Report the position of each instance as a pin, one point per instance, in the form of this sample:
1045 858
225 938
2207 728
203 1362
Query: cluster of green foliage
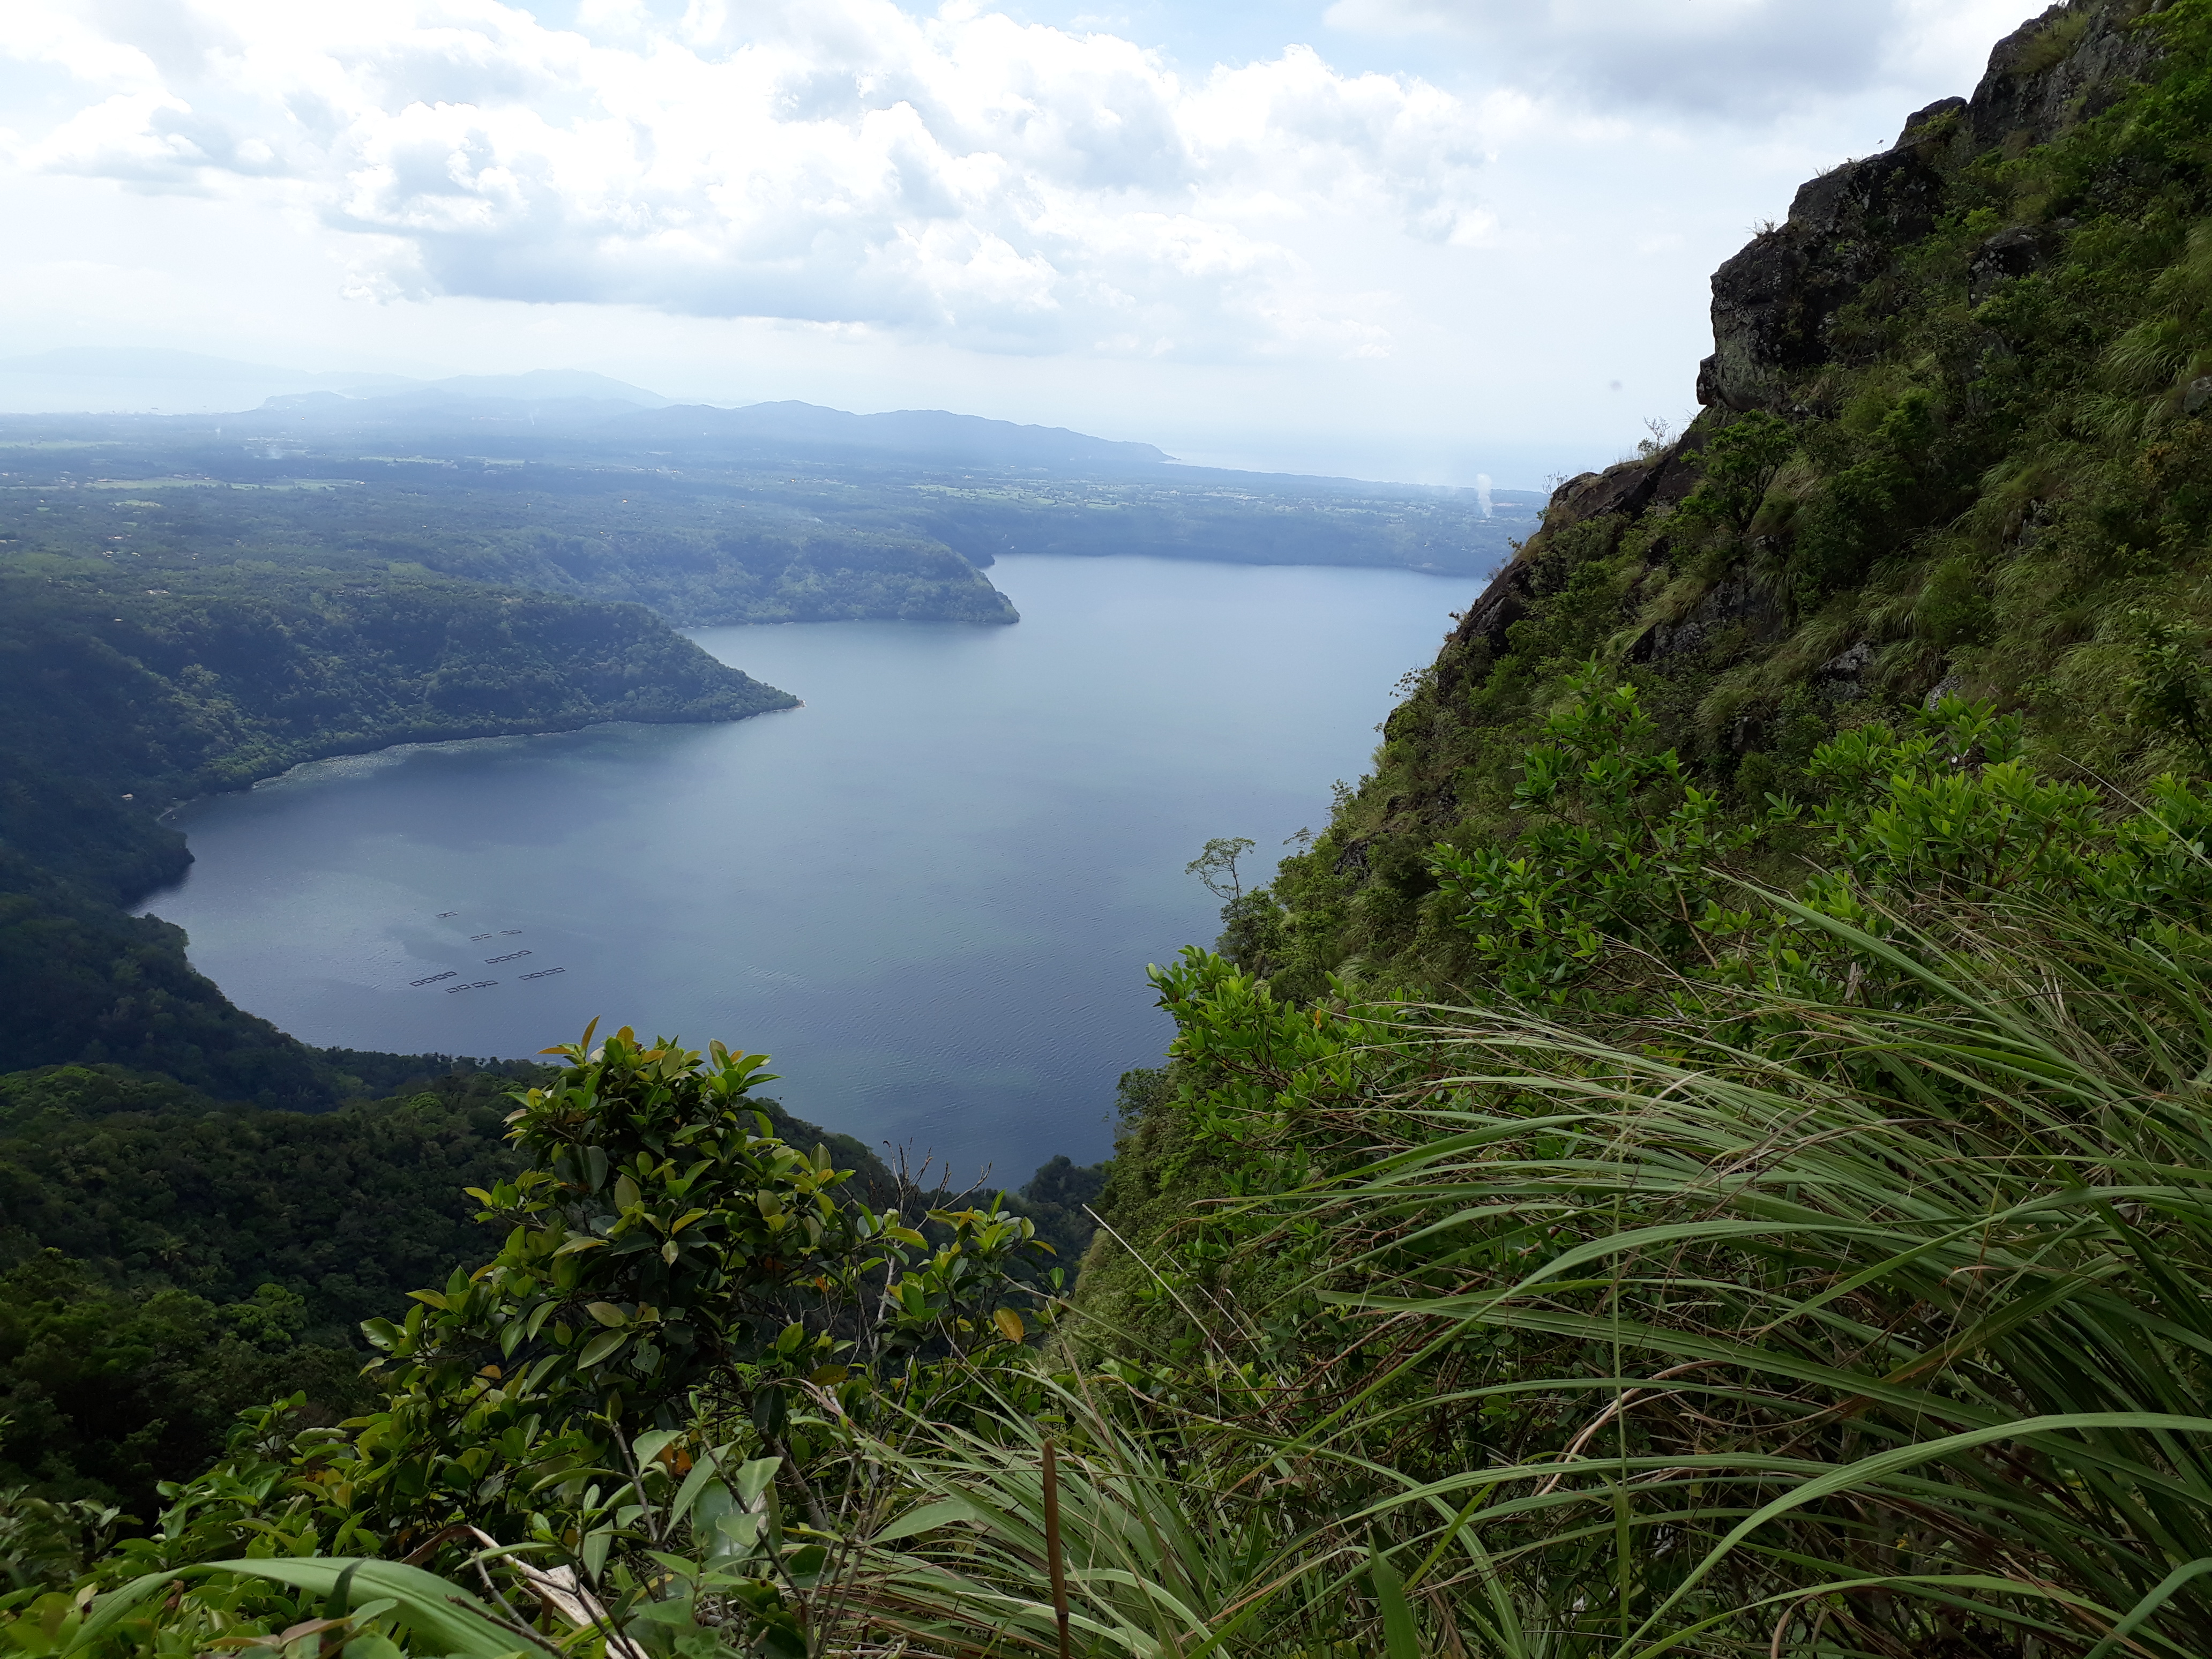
1816 1268
688 1323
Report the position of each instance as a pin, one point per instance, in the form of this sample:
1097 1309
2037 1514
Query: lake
930 894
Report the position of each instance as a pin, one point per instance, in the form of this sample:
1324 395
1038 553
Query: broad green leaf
601 1348
597 1543
1400 1639
737 1534
695 1484
927 1518
754 1478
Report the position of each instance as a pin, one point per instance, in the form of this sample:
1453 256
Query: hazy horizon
1413 241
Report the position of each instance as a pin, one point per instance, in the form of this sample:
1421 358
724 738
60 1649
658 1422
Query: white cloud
1733 59
961 176
1493 259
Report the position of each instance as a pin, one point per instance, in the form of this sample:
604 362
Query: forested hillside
1709 1151
123 699
1724 1097
168 1260
1953 443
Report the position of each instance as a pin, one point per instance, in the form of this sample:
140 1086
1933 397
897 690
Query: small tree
665 1253
1741 462
1217 867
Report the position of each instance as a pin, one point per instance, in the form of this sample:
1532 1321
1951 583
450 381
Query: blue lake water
930 894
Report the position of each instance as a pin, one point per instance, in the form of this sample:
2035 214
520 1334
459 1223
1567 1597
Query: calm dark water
930 894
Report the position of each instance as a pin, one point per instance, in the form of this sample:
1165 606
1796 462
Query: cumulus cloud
1732 59
960 176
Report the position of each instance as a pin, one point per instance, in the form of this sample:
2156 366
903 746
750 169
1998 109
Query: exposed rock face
2032 93
1842 677
1626 488
2012 251
1503 603
1774 302
1735 603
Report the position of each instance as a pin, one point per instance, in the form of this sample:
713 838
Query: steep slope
1956 437
1912 625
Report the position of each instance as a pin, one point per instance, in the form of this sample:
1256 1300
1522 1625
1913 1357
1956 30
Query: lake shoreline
932 901
168 814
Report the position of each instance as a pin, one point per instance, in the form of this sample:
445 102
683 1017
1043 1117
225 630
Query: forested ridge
699 551
1705 1151
677 521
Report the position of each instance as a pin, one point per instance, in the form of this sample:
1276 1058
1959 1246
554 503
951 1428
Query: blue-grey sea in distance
930 894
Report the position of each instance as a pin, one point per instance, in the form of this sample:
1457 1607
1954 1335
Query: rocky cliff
1952 438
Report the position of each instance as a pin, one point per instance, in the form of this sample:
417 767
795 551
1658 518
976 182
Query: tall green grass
1768 1327
1894 1344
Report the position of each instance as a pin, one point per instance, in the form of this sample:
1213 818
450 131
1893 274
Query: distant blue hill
908 434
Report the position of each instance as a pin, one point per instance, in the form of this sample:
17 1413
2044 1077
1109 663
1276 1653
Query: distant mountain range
594 407
561 413
264 398
539 388
908 434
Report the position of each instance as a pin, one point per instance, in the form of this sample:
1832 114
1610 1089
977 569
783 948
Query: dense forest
1706 1153
168 1260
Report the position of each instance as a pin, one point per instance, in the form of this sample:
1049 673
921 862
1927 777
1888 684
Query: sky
1411 240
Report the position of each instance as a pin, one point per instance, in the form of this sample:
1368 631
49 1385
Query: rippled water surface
930 894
